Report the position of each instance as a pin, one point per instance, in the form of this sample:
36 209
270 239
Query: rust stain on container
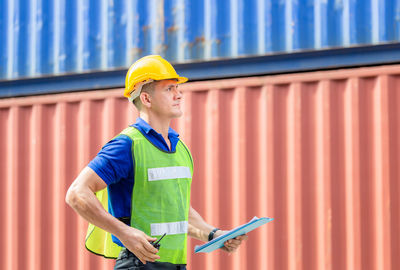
318 151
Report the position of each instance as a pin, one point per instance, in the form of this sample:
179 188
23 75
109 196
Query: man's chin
177 114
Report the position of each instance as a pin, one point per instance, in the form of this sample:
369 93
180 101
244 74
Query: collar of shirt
156 138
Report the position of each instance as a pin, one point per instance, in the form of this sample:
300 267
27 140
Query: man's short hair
147 88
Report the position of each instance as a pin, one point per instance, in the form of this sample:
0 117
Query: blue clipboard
243 229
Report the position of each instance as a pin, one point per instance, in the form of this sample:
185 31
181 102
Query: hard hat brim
182 80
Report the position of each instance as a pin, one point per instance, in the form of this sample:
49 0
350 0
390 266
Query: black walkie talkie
156 244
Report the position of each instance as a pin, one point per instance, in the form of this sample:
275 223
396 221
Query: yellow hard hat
145 70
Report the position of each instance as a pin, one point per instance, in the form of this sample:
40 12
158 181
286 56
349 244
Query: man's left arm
199 229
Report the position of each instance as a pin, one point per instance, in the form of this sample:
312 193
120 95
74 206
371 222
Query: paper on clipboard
243 229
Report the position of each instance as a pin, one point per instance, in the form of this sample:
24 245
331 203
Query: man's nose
178 94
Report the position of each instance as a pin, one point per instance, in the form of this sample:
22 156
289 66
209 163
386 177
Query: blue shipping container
54 37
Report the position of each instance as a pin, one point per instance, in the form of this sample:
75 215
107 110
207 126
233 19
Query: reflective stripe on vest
169 228
165 173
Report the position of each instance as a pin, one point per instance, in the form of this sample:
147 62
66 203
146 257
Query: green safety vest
160 200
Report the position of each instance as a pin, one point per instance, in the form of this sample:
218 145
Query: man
147 171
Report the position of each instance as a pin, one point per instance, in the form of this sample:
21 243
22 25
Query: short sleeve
114 161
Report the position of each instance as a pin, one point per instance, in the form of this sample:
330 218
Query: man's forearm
198 228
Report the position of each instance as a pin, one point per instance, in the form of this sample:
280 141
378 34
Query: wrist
122 231
212 233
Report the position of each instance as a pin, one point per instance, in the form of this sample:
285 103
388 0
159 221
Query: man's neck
158 124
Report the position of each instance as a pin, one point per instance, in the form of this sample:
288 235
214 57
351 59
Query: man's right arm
81 197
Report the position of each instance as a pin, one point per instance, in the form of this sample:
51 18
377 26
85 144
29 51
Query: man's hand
138 243
232 244
199 229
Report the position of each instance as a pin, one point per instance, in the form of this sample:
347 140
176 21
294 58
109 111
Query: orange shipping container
319 152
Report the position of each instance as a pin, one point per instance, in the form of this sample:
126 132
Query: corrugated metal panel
39 37
385 54
319 152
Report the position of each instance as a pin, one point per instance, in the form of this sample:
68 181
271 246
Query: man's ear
145 98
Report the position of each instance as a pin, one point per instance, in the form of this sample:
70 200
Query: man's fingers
230 247
149 255
149 248
227 245
242 237
234 242
140 256
148 259
149 251
150 239
146 252
231 244
144 256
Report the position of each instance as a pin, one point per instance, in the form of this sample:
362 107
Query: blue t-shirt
114 165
